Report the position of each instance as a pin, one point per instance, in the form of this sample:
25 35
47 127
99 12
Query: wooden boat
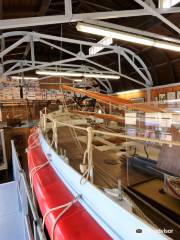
107 99
72 206
51 192
72 210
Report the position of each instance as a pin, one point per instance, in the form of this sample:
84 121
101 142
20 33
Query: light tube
53 73
101 31
168 46
25 78
84 27
77 80
77 74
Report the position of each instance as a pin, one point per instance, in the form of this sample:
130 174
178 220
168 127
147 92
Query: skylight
168 3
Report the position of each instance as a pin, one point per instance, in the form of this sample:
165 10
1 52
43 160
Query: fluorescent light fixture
89 75
89 28
77 74
25 78
105 41
168 46
128 91
77 80
84 27
57 74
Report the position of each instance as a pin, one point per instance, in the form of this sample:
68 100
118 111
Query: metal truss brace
70 64
154 12
48 20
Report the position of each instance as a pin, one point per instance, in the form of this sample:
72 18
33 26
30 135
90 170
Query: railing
25 201
43 124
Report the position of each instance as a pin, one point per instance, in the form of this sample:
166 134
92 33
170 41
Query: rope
66 207
87 168
36 168
35 143
33 173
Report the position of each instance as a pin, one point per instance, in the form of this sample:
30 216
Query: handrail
120 135
20 177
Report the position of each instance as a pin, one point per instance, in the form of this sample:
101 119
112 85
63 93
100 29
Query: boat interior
129 153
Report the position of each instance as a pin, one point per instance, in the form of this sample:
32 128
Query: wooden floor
151 189
156 217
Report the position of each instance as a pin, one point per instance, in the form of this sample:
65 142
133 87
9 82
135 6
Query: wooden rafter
107 99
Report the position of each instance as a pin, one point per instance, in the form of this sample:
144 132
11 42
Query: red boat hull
51 192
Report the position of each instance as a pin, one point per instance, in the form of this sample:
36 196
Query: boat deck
108 167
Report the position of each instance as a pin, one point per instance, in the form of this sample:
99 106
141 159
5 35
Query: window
168 3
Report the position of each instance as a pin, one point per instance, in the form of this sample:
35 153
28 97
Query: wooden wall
154 91
20 136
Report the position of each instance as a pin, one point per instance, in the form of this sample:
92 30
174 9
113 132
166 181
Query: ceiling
163 65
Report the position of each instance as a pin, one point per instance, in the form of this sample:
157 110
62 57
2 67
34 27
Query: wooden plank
109 117
105 148
106 99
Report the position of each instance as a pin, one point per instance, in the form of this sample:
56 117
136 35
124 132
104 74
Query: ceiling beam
155 13
1 9
68 8
43 9
48 20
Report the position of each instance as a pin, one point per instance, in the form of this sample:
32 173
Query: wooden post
90 152
44 123
55 135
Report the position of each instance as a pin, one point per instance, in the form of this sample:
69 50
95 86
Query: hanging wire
72 130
